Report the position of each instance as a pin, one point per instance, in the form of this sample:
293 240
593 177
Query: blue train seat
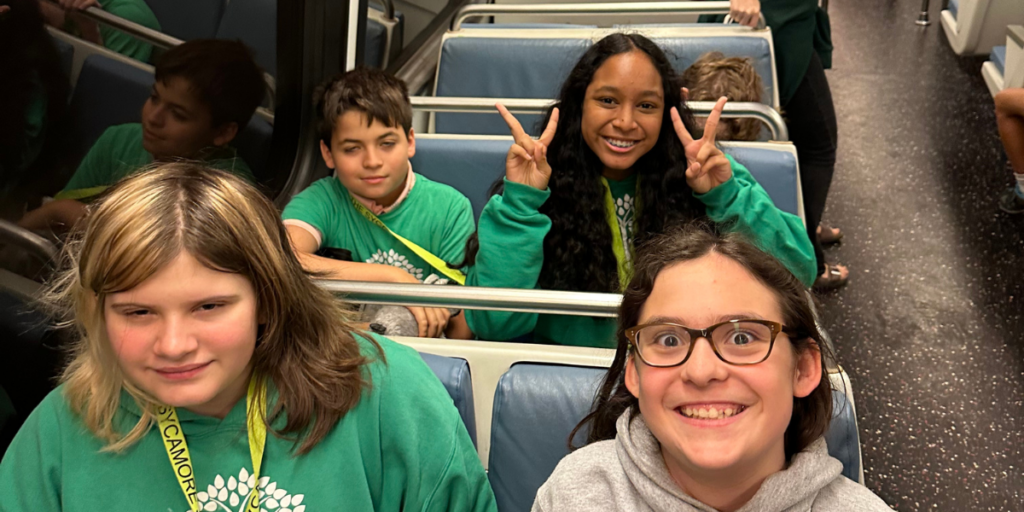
472 164
533 63
110 92
67 55
536 407
998 57
454 374
1005 66
973 28
255 23
188 19
954 6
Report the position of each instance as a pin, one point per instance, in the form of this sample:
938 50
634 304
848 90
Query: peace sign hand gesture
527 161
707 167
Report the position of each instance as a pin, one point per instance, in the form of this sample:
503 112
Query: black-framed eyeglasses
740 342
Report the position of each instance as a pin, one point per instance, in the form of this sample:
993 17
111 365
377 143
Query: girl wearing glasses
718 397
211 373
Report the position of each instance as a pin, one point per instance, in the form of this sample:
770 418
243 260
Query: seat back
188 19
533 63
255 23
537 406
67 55
472 164
111 92
453 372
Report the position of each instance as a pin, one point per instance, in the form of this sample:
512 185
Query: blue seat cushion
67 55
188 19
536 406
374 44
954 7
998 57
454 373
776 172
255 23
471 167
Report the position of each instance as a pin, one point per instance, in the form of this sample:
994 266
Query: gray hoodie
628 473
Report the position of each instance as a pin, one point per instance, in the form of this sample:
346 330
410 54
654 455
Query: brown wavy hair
811 414
714 75
305 348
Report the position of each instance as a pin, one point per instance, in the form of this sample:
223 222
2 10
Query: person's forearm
59 215
53 15
458 328
351 270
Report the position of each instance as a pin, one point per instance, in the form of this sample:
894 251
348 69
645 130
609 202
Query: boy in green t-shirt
206 91
399 227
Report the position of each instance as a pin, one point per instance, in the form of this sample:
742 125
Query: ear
632 377
225 134
326 153
412 143
807 375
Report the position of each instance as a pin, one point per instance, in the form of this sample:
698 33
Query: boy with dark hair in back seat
64 15
399 226
205 93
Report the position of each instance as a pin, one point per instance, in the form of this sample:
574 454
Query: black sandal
832 279
828 235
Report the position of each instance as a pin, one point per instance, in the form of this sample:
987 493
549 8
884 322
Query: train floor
930 327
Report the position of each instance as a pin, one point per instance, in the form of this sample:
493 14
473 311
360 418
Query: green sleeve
459 227
97 167
742 205
30 474
429 461
313 206
511 235
235 166
135 11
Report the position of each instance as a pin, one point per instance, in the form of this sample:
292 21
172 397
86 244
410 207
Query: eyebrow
389 133
720 319
613 89
171 103
204 300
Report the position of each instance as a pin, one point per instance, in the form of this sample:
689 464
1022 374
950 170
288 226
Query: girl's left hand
707 167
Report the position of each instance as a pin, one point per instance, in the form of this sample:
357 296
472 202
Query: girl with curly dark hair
623 167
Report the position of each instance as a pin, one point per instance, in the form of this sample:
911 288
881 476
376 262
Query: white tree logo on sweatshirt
229 495
395 260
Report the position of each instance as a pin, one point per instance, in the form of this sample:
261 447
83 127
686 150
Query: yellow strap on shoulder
439 264
80 193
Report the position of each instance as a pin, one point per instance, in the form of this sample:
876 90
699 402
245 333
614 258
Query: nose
175 340
155 115
371 159
703 367
625 120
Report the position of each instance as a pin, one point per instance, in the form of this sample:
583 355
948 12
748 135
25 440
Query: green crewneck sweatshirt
512 230
403 447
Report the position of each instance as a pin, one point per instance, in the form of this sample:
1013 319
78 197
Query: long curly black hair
31 65
578 249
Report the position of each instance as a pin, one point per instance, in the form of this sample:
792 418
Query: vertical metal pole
922 19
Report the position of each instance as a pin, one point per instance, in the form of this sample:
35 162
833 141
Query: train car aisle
930 327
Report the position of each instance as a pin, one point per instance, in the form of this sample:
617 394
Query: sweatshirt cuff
720 197
521 197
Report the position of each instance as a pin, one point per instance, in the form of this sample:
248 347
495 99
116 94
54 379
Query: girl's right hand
527 161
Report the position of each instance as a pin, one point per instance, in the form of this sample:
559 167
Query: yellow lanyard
625 266
434 261
181 461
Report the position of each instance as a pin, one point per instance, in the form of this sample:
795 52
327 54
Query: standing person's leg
811 118
1010 118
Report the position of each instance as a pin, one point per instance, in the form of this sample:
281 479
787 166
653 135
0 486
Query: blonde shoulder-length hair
305 347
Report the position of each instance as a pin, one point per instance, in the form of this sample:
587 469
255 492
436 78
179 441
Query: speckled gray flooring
930 328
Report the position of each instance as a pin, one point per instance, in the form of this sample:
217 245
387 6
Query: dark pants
811 118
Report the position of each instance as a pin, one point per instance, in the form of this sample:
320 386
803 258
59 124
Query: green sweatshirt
403 447
119 152
434 216
512 231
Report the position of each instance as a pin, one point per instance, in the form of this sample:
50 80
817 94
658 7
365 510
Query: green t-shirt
433 215
119 153
135 11
511 254
624 195
403 447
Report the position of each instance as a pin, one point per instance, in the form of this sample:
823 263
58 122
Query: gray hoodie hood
628 473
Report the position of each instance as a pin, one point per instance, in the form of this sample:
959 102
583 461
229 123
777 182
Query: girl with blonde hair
199 335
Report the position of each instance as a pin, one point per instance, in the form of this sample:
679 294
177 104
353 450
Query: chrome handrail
21 237
764 113
153 37
605 305
389 9
701 7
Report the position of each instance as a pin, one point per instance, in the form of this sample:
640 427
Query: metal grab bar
131 28
732 110
21 237
604 305
701 7
389 9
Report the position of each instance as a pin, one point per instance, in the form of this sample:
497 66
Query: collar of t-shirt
376 207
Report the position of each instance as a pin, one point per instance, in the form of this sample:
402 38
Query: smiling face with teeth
623 111
716 421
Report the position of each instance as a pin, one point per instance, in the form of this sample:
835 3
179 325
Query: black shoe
1010 202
